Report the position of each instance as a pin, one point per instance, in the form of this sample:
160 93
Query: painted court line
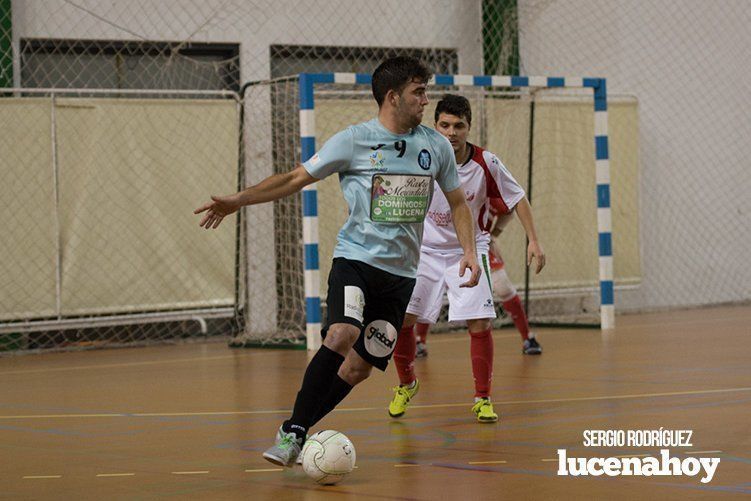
587 399
487 462
115 474
190 472
261 470
701 452
124 364
38 477
177 360
406 465
360 409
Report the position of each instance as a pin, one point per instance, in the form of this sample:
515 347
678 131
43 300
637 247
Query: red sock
404 355
422 332
481 348
514 308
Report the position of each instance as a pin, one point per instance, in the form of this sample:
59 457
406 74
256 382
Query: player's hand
534 250
471 263
218 209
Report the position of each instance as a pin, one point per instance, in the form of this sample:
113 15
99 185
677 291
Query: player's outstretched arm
465 232
534 249
272 188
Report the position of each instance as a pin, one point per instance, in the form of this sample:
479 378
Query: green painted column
6 47
500 37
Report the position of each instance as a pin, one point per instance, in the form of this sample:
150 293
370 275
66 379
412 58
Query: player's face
456 129
411 103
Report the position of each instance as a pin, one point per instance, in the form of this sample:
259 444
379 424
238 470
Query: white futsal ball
328 456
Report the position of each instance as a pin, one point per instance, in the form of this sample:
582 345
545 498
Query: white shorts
439 273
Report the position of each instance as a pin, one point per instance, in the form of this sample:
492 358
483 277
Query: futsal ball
328 456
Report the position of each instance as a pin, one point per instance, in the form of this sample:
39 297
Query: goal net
544 136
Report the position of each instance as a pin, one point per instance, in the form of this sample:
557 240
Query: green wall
6 52
500 35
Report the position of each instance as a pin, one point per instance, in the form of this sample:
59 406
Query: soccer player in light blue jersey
386 168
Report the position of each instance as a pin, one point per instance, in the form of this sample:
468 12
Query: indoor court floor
191 421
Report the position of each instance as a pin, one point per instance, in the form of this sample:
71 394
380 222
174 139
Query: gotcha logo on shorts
380 338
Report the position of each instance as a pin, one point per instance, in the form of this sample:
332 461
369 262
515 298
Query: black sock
320 373
339 389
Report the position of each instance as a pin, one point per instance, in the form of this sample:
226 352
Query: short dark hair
456 105
395 73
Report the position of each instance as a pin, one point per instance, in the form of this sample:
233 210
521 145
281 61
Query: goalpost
483 86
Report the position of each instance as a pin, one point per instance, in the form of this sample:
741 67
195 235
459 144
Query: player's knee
355 371
409 320
478 326
341 337
502 286
481 334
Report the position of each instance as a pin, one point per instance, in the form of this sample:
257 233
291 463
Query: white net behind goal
103 236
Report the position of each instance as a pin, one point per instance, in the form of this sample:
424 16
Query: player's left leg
475 305
353 371
348 283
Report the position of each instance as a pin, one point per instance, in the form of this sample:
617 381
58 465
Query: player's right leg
346 305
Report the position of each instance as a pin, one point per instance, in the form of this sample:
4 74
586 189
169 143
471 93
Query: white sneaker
286 449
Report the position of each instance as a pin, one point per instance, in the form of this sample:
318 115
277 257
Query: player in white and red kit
483 177
503 289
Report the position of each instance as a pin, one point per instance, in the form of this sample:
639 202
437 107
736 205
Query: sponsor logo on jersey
397 198
380 338
440 218
377 147
423 159
469 195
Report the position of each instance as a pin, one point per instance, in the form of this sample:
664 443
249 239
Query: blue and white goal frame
307 83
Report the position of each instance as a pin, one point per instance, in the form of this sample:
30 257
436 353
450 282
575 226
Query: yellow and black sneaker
402 396
483 409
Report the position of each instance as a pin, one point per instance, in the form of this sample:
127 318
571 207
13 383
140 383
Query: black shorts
372 300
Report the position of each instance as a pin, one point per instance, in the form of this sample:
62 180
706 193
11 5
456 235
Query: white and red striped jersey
482 177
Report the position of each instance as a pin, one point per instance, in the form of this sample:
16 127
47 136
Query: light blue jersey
387 181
